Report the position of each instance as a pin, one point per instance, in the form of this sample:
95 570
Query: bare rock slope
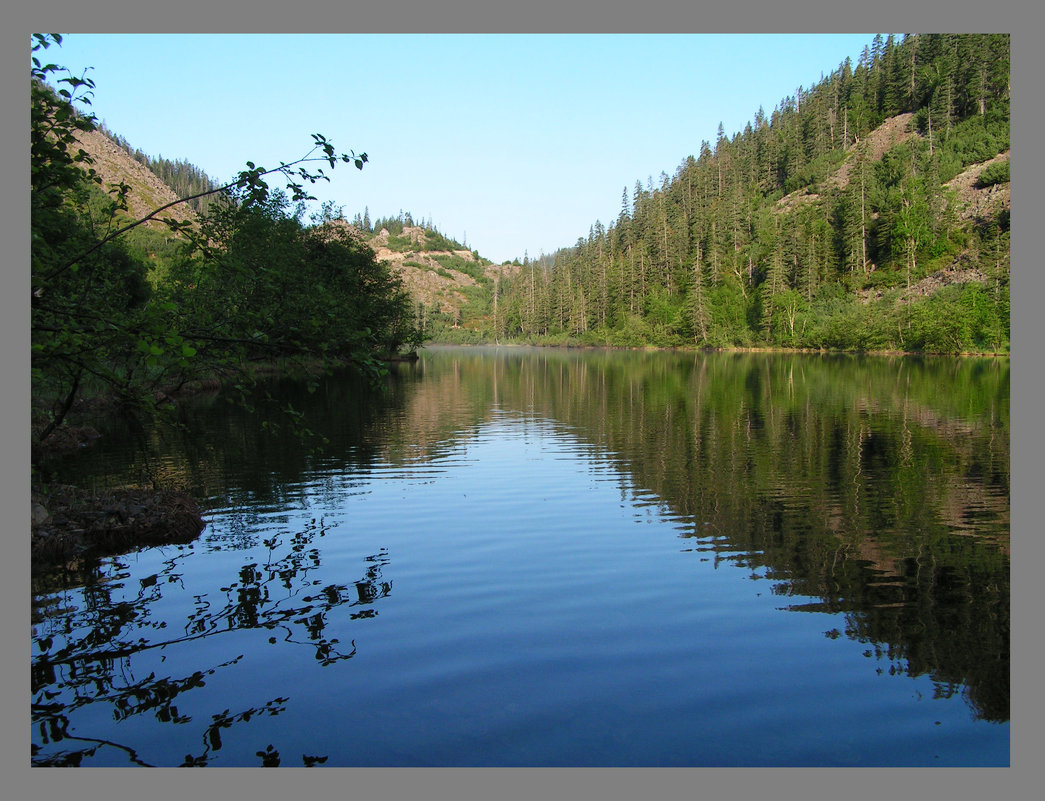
114 165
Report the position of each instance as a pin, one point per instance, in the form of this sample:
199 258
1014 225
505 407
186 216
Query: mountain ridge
148 191
884 181
431 274
451 281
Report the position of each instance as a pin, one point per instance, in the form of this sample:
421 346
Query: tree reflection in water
92 654
873 490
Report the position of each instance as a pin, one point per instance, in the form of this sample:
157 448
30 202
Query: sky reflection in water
547 558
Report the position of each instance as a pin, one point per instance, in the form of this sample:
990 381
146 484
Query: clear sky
514 143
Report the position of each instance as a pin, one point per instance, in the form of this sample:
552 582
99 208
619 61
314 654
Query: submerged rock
77 523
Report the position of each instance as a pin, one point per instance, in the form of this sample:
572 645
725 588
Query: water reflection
879 486
94 645
871 489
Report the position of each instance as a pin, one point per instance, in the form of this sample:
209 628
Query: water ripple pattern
518 558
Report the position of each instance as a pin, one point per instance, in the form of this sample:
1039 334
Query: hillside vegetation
869 212
451 286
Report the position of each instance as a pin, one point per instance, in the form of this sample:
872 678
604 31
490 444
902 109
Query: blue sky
516 143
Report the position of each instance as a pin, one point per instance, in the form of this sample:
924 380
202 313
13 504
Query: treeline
434 238
800 231
249 283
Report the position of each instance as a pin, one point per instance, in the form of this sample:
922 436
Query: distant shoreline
695 349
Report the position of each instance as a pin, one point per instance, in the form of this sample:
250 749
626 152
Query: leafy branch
52 138
249 179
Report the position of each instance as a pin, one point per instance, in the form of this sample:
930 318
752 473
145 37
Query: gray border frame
477 16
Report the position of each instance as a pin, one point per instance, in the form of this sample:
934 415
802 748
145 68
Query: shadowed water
542 557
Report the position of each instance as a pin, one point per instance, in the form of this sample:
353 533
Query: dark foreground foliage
245 283
248 282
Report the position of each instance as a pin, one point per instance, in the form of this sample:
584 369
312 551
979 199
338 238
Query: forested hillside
868 212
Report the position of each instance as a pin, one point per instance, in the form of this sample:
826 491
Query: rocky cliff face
430 282
974 202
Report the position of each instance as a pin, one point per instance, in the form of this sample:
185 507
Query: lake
544 557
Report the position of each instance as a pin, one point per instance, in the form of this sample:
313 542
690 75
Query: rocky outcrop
70 523
974 202
147 193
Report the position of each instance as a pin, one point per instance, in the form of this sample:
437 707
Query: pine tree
697 303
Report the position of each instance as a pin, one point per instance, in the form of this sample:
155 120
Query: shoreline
79 525
708 349
70 525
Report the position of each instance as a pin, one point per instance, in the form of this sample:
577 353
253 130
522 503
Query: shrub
997 173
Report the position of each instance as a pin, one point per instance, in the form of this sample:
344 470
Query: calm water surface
523 557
